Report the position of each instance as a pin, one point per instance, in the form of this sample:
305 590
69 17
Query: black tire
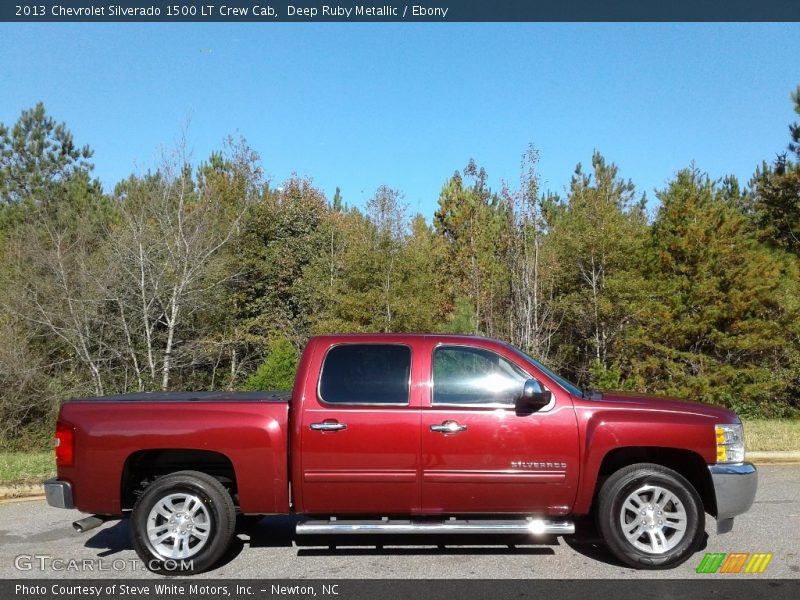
218 522
615 492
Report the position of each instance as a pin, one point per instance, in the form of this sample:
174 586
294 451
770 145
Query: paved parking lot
34 535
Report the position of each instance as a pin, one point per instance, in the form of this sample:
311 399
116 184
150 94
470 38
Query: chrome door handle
448 427
328 426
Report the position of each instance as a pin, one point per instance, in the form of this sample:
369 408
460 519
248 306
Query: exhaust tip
84 525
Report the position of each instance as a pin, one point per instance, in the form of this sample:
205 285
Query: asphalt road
30 530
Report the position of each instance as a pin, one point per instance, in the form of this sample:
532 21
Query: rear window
366 374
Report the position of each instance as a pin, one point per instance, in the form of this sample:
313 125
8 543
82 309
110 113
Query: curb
17 491
31 498
774 458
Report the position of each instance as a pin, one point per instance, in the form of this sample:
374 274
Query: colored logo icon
735 562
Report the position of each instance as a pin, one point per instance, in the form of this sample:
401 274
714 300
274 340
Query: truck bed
117 436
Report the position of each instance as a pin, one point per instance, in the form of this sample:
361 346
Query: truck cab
430 425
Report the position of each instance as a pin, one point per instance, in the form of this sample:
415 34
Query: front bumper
735 489
58 493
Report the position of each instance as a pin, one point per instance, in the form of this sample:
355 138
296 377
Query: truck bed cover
219 396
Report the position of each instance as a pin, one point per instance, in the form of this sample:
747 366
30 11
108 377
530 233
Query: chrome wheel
178 526
653 519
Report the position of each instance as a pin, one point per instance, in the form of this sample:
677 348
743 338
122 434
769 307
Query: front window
467 375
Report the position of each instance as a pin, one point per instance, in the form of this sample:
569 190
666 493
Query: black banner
713 588
272 11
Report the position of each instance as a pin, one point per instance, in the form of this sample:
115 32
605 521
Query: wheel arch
144 466
686 462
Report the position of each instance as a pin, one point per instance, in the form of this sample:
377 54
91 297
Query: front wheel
650 516
182 523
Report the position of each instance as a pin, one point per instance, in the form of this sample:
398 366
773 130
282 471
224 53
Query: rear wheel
650 516
182 523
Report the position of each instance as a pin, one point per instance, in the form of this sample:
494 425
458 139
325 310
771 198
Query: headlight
730 443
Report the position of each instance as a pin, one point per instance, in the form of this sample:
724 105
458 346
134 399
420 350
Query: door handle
448 427
328 426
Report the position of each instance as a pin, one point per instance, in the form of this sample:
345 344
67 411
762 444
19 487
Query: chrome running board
469 526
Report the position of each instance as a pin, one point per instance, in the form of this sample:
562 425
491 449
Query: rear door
478 454
360 432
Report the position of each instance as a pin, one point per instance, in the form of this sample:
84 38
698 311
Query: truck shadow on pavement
587 542
279 532
110 540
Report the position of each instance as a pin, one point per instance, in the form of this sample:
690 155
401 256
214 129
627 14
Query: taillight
65 445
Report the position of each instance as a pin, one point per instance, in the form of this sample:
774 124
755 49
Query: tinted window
463 375
366 374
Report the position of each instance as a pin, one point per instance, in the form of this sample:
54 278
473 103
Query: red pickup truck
391 433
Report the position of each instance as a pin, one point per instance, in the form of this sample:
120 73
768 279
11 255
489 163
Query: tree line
208 276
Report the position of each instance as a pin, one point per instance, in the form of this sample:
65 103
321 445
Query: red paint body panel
252 435
388 461
472 471
630 420
372 466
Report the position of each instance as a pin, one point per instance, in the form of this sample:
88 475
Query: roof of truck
387 335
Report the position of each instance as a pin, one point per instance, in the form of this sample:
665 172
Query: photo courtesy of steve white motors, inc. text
212 11
172 589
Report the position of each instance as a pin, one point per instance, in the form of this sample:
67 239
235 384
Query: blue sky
360 105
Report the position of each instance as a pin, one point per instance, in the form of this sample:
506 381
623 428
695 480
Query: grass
26 467
761 435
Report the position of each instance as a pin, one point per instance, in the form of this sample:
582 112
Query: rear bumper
58 493
735 489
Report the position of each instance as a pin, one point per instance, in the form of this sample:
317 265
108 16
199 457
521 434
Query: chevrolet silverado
404 433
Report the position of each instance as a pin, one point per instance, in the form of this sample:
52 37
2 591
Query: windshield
570 387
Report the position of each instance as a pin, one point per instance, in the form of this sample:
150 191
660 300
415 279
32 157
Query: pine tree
720 322
598 233
278 370
794 128
776 202
36 154
472 222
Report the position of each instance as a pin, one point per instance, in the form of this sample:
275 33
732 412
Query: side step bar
469 526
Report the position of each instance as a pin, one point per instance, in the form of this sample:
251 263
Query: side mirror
533 397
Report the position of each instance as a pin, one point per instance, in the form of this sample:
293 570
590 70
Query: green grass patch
26 467
762 435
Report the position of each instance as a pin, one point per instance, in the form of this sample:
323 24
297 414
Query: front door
478 454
